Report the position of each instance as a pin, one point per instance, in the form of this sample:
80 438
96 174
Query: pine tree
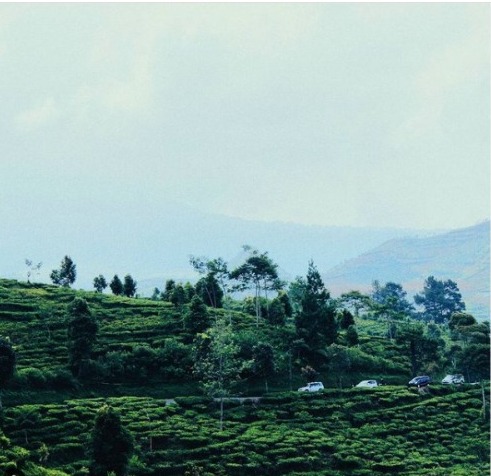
129 286
82 332
116 286
111 444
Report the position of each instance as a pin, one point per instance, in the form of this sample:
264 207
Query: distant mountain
153 241
461 255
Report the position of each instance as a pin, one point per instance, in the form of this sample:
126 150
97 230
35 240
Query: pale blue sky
329 114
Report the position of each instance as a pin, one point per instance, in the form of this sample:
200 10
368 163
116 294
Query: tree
213 285
216 362
423 351
391 298
178 297
66 275
316 322
129 286
82 332
197 319
389 302
346 320
111 444
461 319
7 364
356 301
210 291
116 286
170 285
263 362
439 299
277 314
352 336
100 283
258 273
32 268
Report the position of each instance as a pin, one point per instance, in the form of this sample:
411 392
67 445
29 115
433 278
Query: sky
321 114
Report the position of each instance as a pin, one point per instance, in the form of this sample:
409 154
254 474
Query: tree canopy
66 274
439 299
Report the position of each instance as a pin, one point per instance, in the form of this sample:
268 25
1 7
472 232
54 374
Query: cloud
39 116
446 73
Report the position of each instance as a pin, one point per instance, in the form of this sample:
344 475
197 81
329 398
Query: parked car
420 381
453 378
312 387
368 384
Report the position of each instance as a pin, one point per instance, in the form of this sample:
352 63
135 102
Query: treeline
298 329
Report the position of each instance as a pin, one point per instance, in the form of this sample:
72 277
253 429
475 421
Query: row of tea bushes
388 430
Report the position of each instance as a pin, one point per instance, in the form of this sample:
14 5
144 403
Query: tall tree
116 286
7 364
129 286
111 444
424 352
346 319
210 291
263 362
277 313
439 299
258 272
66 274
169 287
356 301
100 283
391 298
216 362
197 319
213 285
82 332
316 322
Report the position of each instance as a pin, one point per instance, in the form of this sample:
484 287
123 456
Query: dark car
420 381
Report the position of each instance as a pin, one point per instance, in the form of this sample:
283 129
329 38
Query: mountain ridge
461 255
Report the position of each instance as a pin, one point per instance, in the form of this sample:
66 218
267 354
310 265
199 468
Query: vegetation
162 376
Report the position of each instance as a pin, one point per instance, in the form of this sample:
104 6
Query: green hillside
143 364
380 431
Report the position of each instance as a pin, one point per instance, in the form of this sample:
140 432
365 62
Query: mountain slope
154 240
461 255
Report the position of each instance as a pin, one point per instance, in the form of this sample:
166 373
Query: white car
455 379
368 383
312 387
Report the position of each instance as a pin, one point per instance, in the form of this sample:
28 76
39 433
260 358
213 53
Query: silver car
312 387
453 379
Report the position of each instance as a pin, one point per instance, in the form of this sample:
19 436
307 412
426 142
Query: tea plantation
142 365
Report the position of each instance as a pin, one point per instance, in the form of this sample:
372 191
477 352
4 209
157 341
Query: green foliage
142 348
66 274
129 286
197 319
116 286
439 299
100 283
7 362
82 331
111 444
258 272
315 323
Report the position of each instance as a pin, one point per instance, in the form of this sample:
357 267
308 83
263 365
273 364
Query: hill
142 365
153 241
358 432
461 255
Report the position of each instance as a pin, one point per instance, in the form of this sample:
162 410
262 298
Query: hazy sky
331 114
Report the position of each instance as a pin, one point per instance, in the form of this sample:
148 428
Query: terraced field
360 432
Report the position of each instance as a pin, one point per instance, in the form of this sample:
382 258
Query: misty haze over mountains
153 243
